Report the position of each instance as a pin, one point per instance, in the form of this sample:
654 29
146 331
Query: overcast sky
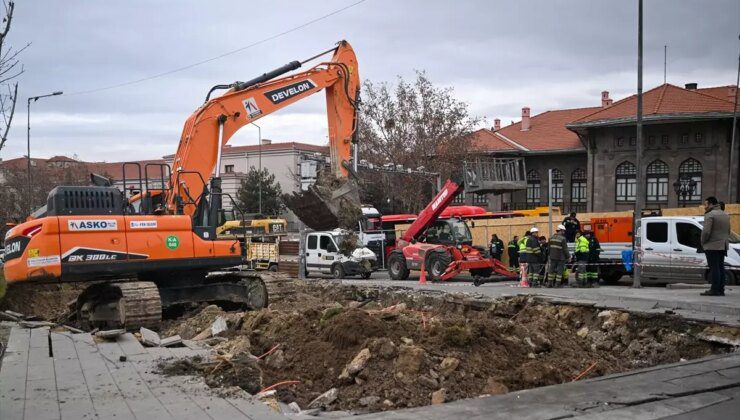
497 55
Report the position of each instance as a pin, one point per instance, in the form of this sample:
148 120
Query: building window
651 140
684 138
657 182
699 138
556 189
633 141
459 199
229 169
578 186
626 182
533 187
619 142
665 139
692 168
480 199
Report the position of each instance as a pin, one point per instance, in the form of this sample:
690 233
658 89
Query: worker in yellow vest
582 257
523 259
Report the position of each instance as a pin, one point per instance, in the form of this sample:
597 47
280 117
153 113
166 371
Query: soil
421 343
46 301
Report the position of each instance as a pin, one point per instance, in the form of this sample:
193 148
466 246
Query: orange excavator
160 247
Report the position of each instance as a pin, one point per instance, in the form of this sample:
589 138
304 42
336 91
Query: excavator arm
210 127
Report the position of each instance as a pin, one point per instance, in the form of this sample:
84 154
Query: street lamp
259 160
684 188
28 142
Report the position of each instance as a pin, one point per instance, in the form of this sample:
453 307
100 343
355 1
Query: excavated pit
367 349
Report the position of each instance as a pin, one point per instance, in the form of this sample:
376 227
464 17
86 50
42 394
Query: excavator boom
210 127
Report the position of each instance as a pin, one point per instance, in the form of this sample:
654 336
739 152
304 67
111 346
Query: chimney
525 119
266 141
605 101
691 86
732 93
496 124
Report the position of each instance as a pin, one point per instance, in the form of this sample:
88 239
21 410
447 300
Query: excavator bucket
324 207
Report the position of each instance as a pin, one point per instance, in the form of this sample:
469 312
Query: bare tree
9 70
415 125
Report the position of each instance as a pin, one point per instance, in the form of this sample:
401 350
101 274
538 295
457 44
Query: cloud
498 56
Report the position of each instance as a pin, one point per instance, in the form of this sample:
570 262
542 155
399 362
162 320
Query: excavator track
141 305
128 305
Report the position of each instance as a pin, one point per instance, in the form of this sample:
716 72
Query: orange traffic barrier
423 277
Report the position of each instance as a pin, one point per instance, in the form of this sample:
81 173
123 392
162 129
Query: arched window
692 168
556 189
656 181
626 182
578 186
533 187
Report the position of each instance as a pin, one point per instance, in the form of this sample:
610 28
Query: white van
669 250
323 256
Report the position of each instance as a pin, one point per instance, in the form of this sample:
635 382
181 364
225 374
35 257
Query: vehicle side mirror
11 225
472 223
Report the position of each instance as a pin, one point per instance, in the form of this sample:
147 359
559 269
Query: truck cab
327 253
669 249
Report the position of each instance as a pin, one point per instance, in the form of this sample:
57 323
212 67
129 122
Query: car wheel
397 267
365 275
337 271
730 278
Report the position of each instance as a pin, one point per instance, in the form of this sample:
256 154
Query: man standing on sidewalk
715 240
514 254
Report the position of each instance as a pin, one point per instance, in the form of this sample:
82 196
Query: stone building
592 153
686 137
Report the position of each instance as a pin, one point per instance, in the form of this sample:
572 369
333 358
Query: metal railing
495 175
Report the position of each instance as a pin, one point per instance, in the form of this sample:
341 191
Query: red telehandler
444 247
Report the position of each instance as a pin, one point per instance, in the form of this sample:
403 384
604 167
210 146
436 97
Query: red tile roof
293 145
663 101
115 169
547 131
485 140
721 92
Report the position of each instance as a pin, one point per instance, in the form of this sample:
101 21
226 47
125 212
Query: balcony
497 175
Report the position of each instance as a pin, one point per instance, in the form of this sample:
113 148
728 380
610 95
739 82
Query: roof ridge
710 96
660 98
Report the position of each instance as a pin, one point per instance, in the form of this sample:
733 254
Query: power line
208 60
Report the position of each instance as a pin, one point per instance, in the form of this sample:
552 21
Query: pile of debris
373 349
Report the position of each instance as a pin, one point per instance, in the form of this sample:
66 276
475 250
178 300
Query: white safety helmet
561 227
534 230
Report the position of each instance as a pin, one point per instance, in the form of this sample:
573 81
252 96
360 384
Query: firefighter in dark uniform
535 258
558 256
513 250
572 225
594 251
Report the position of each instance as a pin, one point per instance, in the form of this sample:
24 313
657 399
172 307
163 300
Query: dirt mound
46 301
352 327
373 350
241 371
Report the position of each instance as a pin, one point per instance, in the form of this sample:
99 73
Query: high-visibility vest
582 244
523 245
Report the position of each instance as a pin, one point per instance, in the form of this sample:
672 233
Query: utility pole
734 135
638 148
28 143
665 62
549 204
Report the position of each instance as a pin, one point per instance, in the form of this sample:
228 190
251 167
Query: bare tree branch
8 71
10 118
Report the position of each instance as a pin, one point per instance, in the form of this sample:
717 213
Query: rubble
110 334
331 353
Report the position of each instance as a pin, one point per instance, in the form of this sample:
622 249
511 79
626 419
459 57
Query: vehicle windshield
371 224
449 231
734 237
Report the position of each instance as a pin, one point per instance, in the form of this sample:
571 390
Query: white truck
323 256
668 248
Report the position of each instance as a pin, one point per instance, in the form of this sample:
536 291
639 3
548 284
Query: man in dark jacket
572 225
558 255
594 252
715 238
496 247
513 250
535 258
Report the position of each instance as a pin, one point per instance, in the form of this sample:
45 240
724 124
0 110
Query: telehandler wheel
337 271
397 267
436 263
366 275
